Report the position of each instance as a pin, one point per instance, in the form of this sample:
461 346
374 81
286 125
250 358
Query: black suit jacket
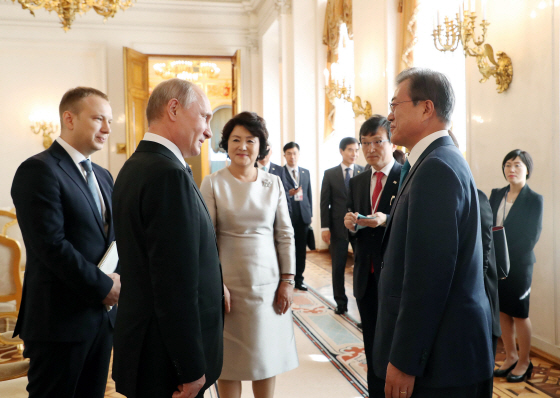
300 211
279 171
170 271
489 261
334 198
368 240
523 224
434 318
65 240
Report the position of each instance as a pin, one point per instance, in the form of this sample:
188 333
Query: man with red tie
371 194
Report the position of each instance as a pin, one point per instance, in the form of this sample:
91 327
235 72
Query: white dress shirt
344 167
423 144
291 172
166 143
78 157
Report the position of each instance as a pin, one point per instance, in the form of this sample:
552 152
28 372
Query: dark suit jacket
368 240
171 275
301 211
489 261
434 318
65 240
279 171
523 224
334 198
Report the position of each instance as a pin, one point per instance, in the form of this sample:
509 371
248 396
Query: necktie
347 178
295 177
265 168
404 171
86 164
376 191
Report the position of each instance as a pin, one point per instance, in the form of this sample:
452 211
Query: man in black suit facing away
168 335
334 198
297 184
433 332
371 193
63 204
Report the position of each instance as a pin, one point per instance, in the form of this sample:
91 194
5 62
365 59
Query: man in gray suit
334 195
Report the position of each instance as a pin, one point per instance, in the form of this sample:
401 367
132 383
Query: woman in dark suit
520 211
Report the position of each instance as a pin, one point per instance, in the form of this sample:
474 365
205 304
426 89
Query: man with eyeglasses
371 194
334 198
433 331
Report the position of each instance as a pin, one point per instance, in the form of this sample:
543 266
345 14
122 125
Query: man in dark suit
168 336
63 204
266 165
297 184
371 193
334 198
433 332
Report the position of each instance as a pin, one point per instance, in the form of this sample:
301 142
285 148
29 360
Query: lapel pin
394 182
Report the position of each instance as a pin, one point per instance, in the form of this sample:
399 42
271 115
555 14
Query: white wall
526 117
39 62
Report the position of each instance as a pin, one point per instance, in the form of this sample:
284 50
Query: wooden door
136 97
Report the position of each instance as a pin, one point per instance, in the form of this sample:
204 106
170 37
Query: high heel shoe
511 378
504 372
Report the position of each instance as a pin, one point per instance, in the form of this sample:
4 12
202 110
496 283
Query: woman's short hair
254 124
525 158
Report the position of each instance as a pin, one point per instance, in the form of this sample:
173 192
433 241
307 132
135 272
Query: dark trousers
339 254
300 237
367 306
70 369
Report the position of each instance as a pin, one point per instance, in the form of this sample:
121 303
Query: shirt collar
266 165
166 143
76 155
423 144
344 166
290 169
385 170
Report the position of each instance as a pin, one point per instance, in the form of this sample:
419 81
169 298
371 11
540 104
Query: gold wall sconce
47 128
448 36
337 88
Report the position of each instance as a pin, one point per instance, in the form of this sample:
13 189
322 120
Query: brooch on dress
266 183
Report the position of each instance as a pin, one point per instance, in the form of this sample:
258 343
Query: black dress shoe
360 326
504 372
301 286
511 378
340 310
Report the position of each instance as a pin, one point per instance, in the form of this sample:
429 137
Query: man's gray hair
179 89
426 84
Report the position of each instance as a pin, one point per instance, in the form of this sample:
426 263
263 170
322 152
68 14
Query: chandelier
67 9
187 70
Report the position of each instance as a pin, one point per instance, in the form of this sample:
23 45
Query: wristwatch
290 281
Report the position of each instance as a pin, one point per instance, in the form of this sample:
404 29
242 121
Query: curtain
338 12
409 12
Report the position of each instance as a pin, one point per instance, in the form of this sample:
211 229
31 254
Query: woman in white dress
256 245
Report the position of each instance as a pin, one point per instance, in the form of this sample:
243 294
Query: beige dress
256 245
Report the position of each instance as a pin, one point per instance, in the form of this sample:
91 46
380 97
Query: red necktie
376 191
375 196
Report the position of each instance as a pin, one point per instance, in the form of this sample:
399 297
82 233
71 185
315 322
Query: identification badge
298 196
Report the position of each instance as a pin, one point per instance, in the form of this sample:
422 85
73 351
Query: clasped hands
283 299
351 220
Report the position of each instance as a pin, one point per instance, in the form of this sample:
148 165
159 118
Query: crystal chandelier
67 9
187 70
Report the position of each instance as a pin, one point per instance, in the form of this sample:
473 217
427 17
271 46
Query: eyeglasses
376 143
393 105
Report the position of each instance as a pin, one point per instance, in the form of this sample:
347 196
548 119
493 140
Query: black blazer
300 211
279 171
523 224
171 294
433 308
489 261
368 240
334 198
65 240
